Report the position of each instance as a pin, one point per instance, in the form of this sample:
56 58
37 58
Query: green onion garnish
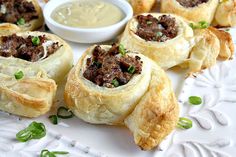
149 22
19 75
35 41
131 69
184 123
115 83
53 119
159 34
122 50
199 25
195 100
20 21
64 113
33 131
47 153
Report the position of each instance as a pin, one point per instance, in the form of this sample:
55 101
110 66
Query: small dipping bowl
87 35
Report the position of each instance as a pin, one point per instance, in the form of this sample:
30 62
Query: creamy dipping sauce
88 14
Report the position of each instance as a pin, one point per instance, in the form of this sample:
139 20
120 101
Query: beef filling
153 29
191 3
13 10
24 48
111 69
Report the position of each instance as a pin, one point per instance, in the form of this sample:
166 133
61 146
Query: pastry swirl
20 15
193 10
145 103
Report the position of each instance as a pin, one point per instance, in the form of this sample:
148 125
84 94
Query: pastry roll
20 15
193 10
30 96
142 6
166 39
112 86
226 14
36 49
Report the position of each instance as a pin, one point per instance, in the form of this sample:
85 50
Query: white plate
213 133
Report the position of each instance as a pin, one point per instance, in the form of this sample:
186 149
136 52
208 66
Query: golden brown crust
142 6
8 28
203 12
157 51
135 103
226 43
29 97
225 15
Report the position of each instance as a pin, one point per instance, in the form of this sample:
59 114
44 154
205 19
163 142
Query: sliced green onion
149 22
131 69
35 41
19 75
194 100
184 123
199 25
20 21
64 113
115 83
122 50
159 34
53 119
47 153
33 131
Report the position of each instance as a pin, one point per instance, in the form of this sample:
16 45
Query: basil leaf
33 131
64 113
195 100
184 123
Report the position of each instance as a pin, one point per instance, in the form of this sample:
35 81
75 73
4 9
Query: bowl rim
127 9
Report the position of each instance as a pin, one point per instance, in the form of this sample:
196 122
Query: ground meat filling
25 48
152 29
191 3
111 69
13 10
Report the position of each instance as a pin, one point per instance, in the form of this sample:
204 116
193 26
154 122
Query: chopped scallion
195 100
19 75
184 123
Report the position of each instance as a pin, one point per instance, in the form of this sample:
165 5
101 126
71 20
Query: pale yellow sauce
87 14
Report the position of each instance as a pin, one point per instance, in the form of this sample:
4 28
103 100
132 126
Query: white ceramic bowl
87 35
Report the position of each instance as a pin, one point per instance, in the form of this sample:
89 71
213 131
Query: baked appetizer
19 15
193 10
43 50
169 41
142 6
225 14
112 86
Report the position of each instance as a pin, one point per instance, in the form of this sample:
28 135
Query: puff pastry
35 23
146 104
195 49
225 14
56 65
168 53
202 12
142 6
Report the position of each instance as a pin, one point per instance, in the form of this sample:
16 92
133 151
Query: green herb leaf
149 22
64 113
20 21
199 25
115 83
122 50
33 131
184 123
131 69
53 119
159 34
195 100
47 153
35 41
19 75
